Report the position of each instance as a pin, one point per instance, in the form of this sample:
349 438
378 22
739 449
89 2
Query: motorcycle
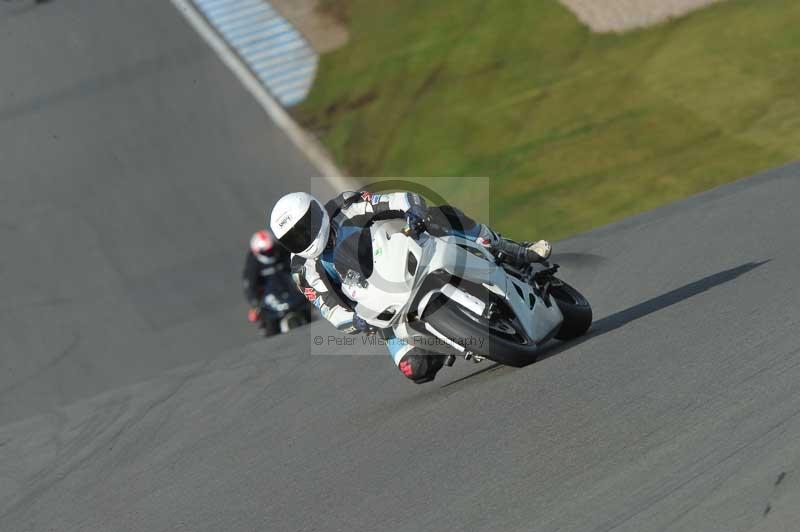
283 307
450 295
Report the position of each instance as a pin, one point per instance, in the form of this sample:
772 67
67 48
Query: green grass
574 129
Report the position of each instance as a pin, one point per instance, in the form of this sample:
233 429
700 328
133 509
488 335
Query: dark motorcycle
283 308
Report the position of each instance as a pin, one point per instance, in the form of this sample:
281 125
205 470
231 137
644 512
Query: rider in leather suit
264 260
327 242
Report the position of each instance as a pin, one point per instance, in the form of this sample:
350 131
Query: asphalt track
134 169
680 412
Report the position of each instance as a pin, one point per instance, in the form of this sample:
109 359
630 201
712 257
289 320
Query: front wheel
497 340
576 310
294 320
270 327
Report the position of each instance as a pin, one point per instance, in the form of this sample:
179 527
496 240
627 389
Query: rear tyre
576 310
496 341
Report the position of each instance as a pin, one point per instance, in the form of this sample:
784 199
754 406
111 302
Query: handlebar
426 226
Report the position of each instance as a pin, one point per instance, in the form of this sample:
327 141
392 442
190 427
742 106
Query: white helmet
300 224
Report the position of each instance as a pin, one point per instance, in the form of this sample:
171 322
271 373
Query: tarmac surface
137 158
134 170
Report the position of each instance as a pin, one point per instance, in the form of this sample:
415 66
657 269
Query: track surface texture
134 169
679 412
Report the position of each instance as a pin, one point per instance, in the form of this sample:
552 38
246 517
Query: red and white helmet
261 244
301 225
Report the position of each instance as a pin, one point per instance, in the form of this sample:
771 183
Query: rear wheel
497 340
575 308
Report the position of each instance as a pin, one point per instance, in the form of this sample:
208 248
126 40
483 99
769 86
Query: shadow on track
645 308
26 6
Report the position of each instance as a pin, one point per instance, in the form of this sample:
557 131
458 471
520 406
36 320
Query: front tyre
497 340
293 320
270 327
576 310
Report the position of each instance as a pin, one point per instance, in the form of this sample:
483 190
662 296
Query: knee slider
421 368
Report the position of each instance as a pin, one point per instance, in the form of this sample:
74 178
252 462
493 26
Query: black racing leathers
256 273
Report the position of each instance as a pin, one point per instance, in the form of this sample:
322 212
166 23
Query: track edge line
304 141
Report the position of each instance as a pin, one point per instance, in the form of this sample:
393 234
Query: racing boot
512 252
421 366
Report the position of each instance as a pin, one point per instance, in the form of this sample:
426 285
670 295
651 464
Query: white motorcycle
449 295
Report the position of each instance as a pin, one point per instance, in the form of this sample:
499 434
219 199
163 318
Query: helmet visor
304 231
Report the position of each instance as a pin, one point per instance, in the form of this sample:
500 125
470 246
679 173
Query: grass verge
575 129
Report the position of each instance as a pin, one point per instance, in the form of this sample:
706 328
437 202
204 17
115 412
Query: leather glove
362 326
542 248
416 217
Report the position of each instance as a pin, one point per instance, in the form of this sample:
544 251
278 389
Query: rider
325 240
264 259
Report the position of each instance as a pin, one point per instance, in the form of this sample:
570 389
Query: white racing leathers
320 279
349 252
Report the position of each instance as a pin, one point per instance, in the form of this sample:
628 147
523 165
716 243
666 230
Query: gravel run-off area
622 15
